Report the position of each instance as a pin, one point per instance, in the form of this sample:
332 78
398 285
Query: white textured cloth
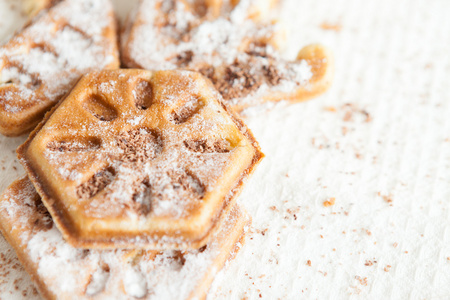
378 143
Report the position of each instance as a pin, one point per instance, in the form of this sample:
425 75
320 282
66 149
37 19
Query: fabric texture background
378 142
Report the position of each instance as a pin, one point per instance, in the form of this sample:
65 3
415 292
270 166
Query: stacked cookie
133 174
233 43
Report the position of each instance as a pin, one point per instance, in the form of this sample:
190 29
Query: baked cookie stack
133 174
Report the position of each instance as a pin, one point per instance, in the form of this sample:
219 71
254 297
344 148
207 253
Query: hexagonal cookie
134 158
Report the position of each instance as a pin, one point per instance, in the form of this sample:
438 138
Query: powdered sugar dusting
98 281
134 283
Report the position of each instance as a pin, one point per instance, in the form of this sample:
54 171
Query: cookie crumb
330 26
329 202
362 281
330 108
369 263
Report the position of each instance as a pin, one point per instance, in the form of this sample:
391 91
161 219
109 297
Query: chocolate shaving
207 146
143 95
207 71
187 182
139 145
96 184
177 257
184 58
185 112
74 146
43 219
238 81
272 74
141 199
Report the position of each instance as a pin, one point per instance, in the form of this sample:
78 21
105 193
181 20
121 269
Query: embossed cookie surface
140 158
63 272
41 63
227 45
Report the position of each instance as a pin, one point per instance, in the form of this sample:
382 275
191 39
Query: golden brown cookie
236 52
134 158
45 59
63 272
